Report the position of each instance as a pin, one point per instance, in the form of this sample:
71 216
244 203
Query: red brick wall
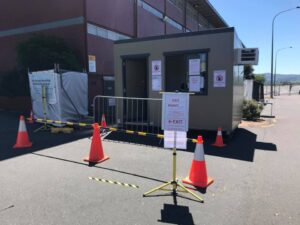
103 50
149 25
175 13
116 15
19 13
191 24
74 37
160 5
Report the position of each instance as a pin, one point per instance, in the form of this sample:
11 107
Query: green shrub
41 52
260 78
37 53
252 109
248 72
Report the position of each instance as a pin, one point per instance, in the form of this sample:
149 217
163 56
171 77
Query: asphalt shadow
265 146
176 214
41 139
97 166
240 145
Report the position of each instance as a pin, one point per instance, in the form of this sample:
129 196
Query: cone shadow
99 167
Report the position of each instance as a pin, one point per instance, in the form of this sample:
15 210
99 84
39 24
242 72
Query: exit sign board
175 111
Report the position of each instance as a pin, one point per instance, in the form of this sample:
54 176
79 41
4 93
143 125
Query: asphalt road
257 178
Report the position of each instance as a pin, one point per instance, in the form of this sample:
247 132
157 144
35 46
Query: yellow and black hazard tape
63 123
114 182
112 129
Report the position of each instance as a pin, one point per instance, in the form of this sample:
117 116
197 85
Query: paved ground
283 90
257 179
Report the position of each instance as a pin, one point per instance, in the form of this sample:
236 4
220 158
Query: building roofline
217 13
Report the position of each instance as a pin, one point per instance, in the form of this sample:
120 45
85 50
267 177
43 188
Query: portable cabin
202 63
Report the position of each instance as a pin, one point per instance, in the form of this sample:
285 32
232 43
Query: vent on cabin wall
246 56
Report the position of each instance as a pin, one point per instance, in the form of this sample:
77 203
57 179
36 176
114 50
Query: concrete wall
207 111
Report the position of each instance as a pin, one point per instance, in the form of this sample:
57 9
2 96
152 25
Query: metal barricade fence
128 113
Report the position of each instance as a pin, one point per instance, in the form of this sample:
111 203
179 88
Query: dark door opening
135 86
187 72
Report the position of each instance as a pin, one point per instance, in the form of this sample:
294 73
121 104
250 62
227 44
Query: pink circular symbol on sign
219 78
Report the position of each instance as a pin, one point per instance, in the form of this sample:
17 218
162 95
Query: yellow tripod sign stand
44 99
176 185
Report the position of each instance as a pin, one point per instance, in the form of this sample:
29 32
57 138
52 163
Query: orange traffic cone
198 175
96 151
22 138
219 139
103 121
31 119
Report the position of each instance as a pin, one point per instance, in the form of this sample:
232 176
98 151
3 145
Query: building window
104 33
158 14
173 23
150 9
187 72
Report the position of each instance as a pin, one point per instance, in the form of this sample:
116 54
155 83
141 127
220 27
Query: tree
37 53
260 78
42 52
248 72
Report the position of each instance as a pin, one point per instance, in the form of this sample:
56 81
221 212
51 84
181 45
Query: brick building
91 26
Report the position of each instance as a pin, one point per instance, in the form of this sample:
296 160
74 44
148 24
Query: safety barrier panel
136 114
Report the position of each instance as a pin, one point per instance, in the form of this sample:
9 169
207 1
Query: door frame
133 57
137 56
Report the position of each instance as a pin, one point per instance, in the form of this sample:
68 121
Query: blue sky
253 22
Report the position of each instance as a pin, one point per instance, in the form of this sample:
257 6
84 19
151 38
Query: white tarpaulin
248 89
66 97
46 79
